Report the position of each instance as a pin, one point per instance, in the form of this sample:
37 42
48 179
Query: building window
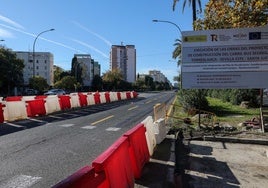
37 67
45 61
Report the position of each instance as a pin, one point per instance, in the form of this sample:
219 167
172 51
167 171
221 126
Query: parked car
30 92
55 92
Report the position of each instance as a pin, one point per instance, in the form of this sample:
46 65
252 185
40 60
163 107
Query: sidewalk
212 162
162 171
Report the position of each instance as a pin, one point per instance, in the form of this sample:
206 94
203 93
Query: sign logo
196 38
254 35
214 37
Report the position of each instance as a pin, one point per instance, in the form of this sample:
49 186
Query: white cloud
5 34
42 38
91 47
96 34
10 22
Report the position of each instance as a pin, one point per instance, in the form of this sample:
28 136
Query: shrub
193 99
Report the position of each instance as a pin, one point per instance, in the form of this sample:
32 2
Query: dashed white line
57 117
20 181
113 129
14 125
66 125
88 127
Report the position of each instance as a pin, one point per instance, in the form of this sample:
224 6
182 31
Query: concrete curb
235 140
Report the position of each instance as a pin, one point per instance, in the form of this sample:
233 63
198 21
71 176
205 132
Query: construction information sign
226 58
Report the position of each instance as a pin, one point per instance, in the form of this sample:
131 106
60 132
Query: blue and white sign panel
226 58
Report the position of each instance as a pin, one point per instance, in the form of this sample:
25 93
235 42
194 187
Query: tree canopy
233 14
11 71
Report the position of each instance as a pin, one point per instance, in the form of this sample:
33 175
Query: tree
193 2
57 73
38 83
76 70
11 71
97 83
68 83
233 14
177 51
112 79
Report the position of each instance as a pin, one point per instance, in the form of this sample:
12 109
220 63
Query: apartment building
124 58
157 76
89 68
44 62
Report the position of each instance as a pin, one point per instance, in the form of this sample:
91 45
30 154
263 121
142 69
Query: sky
91 27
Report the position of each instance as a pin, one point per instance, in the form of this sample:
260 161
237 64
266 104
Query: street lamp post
199 92
169 23
34 48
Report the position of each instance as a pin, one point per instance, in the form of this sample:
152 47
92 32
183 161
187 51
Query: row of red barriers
116 167
42 105
1 112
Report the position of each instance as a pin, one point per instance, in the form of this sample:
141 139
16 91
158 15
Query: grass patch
225 113
232 114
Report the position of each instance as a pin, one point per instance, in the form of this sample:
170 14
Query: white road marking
37 120
134 107
14 125
88 127
113 129
20 181
66 125
57 117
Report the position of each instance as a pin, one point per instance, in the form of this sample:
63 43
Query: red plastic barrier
135 94
36 107
84 177
97 98
64 101
115 163
138 150
128 94
107 97
82 99
14 98
2 113
119 96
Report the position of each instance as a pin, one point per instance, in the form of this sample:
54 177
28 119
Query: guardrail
14 108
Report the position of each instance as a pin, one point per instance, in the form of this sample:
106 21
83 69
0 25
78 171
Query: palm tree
193 2
177 51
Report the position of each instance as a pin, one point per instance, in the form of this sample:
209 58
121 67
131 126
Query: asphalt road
42 151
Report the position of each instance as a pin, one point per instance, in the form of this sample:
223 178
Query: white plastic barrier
131 94
150 136
102 97
160 130
74 100
90 99
123 95
52 104
113 96
14 110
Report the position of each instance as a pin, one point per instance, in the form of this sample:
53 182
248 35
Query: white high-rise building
124 58
44 62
